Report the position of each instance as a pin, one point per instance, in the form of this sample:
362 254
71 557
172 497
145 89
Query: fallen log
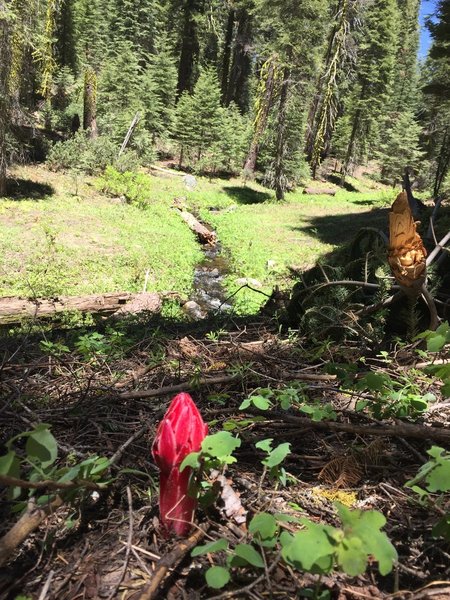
13 309
319 191
203 233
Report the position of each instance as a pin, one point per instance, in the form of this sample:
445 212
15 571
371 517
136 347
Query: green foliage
319 548
38 462
434 476
437 342
82 153
399 148
134 187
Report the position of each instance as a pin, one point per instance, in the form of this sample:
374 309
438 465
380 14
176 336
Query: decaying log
203 233
319 191
407 255
13 310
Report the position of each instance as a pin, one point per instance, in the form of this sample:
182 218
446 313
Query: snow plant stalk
181 432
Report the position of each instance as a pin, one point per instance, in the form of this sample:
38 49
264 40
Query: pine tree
400 147
208 113
369 99
164 76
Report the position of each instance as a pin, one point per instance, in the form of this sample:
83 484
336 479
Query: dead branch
180 387
170 561
400 429
28 522
49 484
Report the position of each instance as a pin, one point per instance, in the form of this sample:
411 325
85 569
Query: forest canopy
227 85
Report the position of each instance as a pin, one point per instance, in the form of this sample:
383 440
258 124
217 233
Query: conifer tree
184 126
399 148
369 99
208 113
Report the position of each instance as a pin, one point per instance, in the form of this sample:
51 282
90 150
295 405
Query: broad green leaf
211 547
366 526
277 455
217 577
191 460
438 479
250 554
264 524
10 464
265 445
245 404
220 444
376 382
352 556
260 402
42 445
308 546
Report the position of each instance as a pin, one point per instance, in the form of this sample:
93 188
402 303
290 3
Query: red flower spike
181 432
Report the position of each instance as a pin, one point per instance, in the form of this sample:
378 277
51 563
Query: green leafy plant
350 548
434 477
273 459
36 464
316 548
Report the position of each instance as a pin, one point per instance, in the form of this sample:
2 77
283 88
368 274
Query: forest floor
107 402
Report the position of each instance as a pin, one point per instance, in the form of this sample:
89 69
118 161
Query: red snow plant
181 432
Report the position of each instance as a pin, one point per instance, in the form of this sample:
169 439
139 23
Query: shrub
82 153
134 187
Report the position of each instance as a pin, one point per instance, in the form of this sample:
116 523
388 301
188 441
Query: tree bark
241 67
90 102
13 310
280 152
5 68
227 54
261 118
189 49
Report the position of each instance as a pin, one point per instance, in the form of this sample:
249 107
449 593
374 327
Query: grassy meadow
60 235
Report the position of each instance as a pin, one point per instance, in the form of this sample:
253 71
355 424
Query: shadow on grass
25 189
340 229
246 195
336 179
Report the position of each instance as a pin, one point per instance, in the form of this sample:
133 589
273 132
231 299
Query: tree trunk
90 102
227 54
261 117
238 89
13 310
312 116
5 67
350 147
280 151
189 49
443 163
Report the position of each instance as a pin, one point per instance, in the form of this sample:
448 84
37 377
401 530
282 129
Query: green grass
87 243
67 244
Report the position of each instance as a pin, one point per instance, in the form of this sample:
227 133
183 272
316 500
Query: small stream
209 293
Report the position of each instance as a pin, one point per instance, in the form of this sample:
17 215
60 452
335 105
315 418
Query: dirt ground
110 545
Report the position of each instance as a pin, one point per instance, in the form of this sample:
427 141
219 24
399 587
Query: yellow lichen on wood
406 250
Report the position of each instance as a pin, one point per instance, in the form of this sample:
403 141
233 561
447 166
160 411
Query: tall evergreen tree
369 98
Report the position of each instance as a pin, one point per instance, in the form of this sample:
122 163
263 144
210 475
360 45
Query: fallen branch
180 387
169 561
319 191
28 522
49 484
400 429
